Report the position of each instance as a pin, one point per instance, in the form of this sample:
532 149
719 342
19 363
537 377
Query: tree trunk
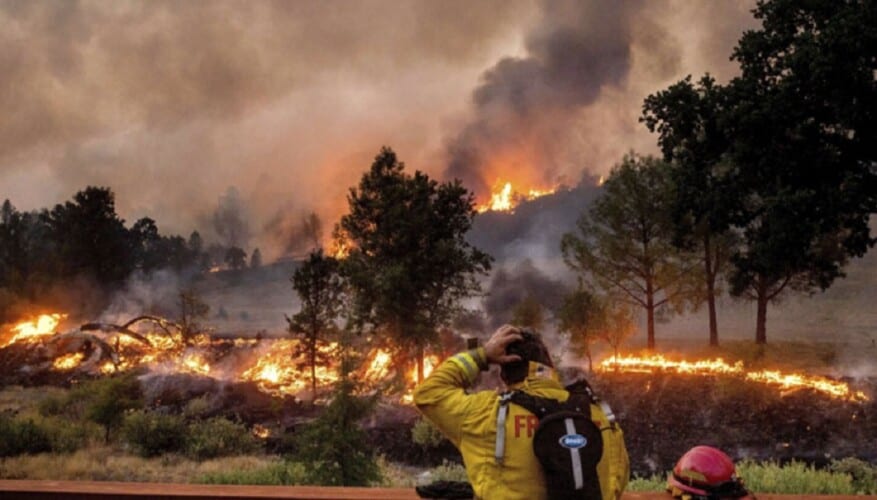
650 312
761 318
419 363
711 290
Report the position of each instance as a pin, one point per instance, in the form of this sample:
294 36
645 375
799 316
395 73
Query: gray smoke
527 103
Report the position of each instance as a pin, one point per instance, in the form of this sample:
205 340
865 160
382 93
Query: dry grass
24 400
107 464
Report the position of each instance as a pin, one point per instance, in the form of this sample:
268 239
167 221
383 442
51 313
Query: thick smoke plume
171 103
525 105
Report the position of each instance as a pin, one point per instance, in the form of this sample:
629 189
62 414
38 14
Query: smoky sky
172 103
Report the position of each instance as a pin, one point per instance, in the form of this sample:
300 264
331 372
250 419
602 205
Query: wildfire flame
261 431
718 366
42 325
68 361
278 366
506 198
195 363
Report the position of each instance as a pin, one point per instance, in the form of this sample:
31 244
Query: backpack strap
501 416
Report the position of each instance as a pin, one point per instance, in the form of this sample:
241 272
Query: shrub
334 445
655 482
219 437
52 406
67 436
793 478
426 435
111 398
152 434
197 408
864 475
282 474
22 436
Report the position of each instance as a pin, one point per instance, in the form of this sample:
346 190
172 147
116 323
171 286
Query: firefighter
706 473
500 462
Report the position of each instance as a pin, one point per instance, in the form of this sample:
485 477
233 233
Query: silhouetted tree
803 129
256 259
235 258
624 244
192 311
688 121
409 262
319 288
230 219
580 316
90 238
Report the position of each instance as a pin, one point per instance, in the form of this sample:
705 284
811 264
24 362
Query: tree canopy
319 287
688 121
408 264
624 243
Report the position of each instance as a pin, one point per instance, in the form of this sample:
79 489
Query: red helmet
705 472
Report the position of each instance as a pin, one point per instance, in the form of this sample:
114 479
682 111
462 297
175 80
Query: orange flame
43 325
68 361
718 366
261 431
506 198
195 363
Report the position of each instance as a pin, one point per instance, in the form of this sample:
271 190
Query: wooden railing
82 490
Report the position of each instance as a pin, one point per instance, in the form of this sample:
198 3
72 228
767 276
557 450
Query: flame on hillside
505 197
41 326
277 366
784 381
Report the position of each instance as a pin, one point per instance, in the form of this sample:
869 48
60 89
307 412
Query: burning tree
408 263
624 244
320 288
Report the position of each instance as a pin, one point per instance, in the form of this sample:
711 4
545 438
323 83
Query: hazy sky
170 103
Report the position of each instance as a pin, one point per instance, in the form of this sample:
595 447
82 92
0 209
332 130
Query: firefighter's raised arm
442 396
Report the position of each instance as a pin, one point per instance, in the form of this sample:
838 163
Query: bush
282 474
67 436
52 406
863 474
426 435
219 437
111 398
152 434
793 478
656 482
22 436
335 446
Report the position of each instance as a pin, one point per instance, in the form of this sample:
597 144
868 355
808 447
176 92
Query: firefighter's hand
494 349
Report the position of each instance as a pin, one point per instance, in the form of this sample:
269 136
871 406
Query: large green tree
624 243
687 118
319 287
803 130
409 263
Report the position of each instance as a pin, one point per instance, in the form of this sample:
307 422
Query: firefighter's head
531 349
705 473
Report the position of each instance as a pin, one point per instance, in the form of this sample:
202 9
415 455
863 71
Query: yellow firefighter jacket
469 422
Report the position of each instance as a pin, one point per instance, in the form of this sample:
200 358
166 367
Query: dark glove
446 489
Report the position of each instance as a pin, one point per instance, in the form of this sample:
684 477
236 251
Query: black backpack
567 443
